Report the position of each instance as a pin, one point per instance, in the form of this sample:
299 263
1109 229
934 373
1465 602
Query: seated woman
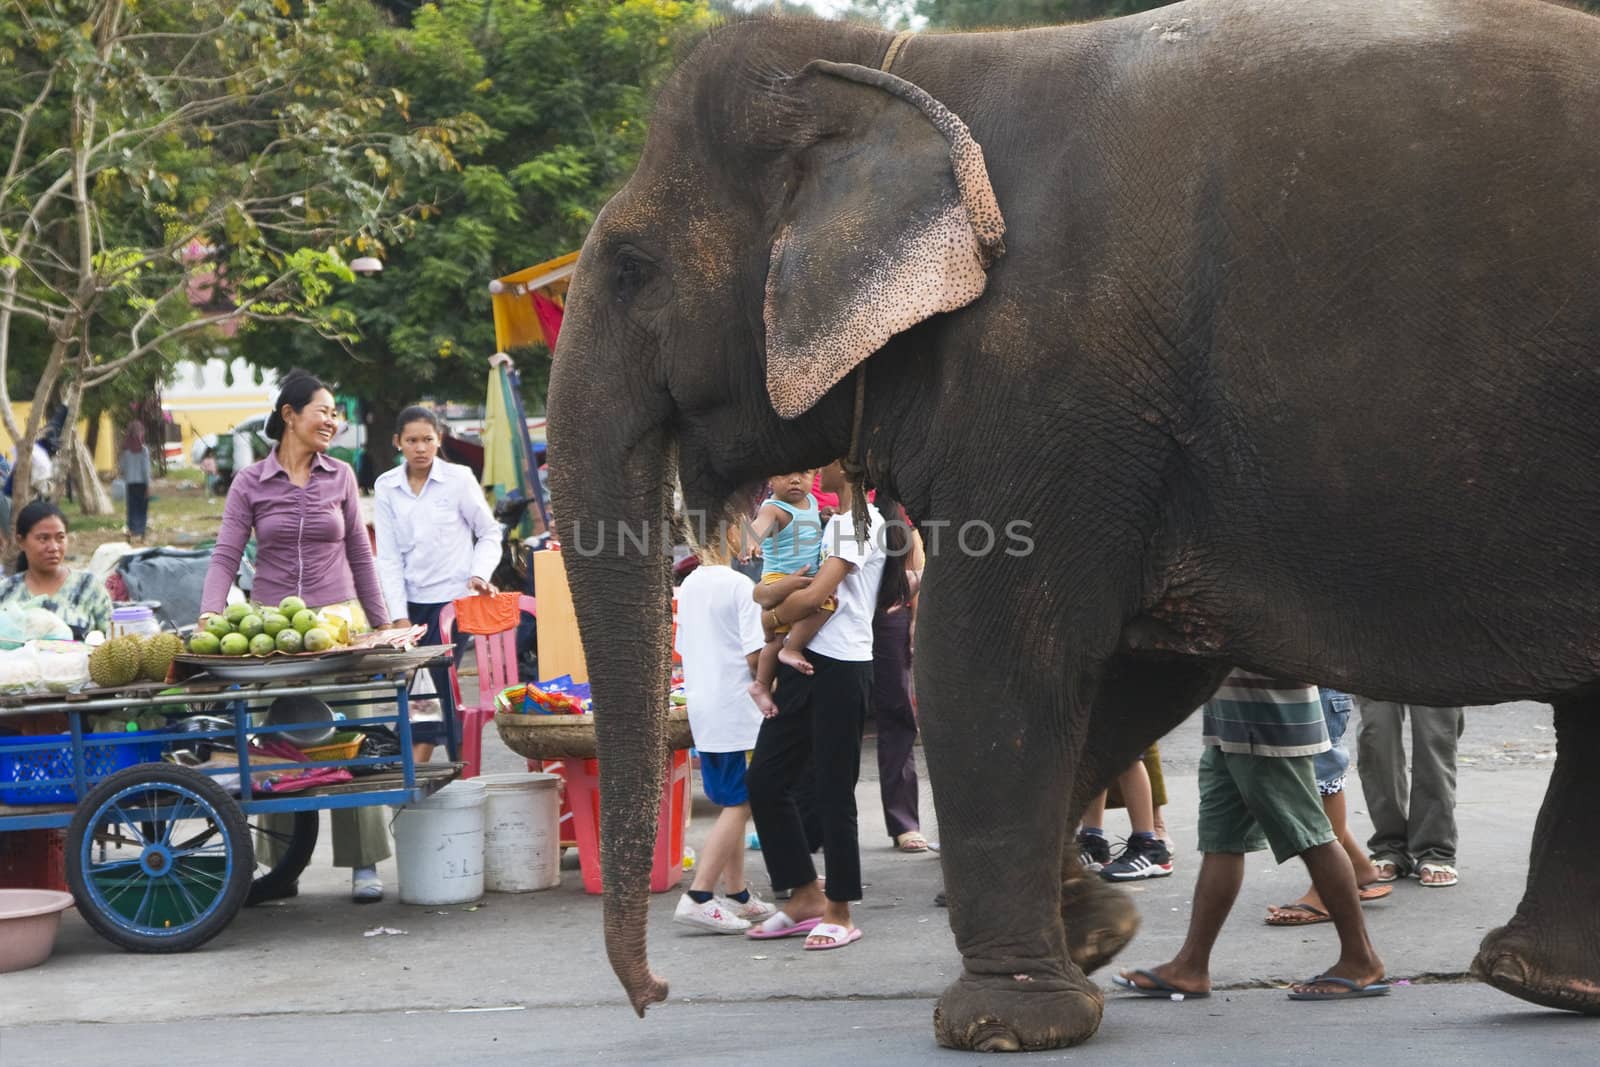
43 579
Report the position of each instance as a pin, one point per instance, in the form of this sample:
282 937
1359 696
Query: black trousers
817 732
448 731
138 497
896 719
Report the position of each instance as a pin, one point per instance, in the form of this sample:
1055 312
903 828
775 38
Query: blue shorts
722 774
1330 766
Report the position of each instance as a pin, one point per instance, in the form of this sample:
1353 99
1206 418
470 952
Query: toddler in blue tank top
789 526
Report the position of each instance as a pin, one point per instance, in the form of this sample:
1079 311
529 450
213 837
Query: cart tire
172 892
279 880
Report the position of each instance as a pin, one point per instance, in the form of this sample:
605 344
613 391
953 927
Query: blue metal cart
161 856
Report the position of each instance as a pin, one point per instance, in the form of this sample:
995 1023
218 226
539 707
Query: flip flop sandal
780 925
911 841
1351 991
1388 870
1160 987
840 937
1449 872
1297 915
1373 891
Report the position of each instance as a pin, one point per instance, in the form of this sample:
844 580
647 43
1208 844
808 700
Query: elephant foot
1100 920
1016 1013
1514 959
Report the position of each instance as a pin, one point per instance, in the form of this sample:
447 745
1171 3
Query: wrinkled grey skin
1292 361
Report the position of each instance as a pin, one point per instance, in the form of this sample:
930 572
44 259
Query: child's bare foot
763 698
793 657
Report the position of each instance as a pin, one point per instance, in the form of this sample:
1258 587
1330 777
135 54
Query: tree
563 88
177 167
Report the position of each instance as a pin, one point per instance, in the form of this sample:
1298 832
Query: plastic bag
29 622
63 665
424 702
19 671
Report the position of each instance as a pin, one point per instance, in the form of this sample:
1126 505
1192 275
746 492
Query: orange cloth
488 614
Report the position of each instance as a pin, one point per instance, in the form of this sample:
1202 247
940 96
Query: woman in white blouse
437 541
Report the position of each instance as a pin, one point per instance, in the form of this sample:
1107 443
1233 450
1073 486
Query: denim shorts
1330 766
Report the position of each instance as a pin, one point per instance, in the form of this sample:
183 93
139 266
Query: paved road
301 978
1419 1026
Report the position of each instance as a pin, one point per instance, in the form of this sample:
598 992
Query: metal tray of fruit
278 667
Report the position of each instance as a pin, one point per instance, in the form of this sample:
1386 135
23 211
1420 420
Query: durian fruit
115 663
156 656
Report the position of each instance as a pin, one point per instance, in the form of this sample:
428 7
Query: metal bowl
294 710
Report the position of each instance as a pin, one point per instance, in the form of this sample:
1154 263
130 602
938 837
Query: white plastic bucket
438 844
522 840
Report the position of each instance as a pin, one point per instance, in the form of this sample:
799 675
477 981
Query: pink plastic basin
29 919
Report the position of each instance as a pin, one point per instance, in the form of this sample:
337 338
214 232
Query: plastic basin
29 919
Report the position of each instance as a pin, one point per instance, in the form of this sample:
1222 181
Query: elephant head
794 207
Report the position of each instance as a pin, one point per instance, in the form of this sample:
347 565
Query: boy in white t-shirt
720 639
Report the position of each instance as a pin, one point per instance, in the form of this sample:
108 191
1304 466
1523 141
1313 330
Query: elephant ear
890 220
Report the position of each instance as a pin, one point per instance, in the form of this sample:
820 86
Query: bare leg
421 751
1221 875
1135 785
722 853
1365 873
1095 814
766 670
1335 883
793 653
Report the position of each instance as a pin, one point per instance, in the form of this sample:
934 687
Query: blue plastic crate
21 773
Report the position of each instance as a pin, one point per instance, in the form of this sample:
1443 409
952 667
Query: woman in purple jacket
311 543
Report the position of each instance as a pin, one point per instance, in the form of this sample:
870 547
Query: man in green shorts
1257 788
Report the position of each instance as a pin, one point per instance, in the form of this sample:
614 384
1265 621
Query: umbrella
509 464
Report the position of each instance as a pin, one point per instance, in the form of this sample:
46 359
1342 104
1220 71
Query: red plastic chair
497 670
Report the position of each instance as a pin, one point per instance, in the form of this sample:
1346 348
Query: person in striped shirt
1258 789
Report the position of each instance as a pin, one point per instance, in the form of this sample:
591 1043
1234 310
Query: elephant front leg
999 782
1549 953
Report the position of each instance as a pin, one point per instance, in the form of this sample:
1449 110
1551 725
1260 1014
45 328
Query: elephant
1272 324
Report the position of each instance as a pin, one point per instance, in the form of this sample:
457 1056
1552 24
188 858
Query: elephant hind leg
1140 699
1549 953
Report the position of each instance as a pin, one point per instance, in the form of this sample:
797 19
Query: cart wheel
159 858
296 841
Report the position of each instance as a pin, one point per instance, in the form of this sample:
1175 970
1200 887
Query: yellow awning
515 323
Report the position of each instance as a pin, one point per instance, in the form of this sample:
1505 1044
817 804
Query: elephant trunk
612 504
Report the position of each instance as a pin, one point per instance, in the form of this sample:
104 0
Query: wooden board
560 649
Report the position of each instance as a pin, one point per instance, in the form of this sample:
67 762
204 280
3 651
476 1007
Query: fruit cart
160 855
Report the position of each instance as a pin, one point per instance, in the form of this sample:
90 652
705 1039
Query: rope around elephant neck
854 469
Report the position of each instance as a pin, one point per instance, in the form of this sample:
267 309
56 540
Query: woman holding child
820 711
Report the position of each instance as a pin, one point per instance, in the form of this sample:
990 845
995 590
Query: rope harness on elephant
855 470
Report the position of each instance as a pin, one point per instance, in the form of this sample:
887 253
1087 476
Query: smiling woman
312 544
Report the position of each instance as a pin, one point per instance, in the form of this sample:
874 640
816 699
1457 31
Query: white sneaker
365 885
712 915
753 910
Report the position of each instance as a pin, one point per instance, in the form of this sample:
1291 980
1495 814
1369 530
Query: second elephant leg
1549 953
1139 700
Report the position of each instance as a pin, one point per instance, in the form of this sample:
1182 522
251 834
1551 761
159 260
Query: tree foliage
561 87
171 167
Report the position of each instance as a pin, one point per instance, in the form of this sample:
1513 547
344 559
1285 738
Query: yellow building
198 401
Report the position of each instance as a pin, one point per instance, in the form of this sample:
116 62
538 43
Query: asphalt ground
524 978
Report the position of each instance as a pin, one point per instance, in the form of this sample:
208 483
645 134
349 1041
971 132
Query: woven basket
572 736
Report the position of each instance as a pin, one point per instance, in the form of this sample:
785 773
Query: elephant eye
630 275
